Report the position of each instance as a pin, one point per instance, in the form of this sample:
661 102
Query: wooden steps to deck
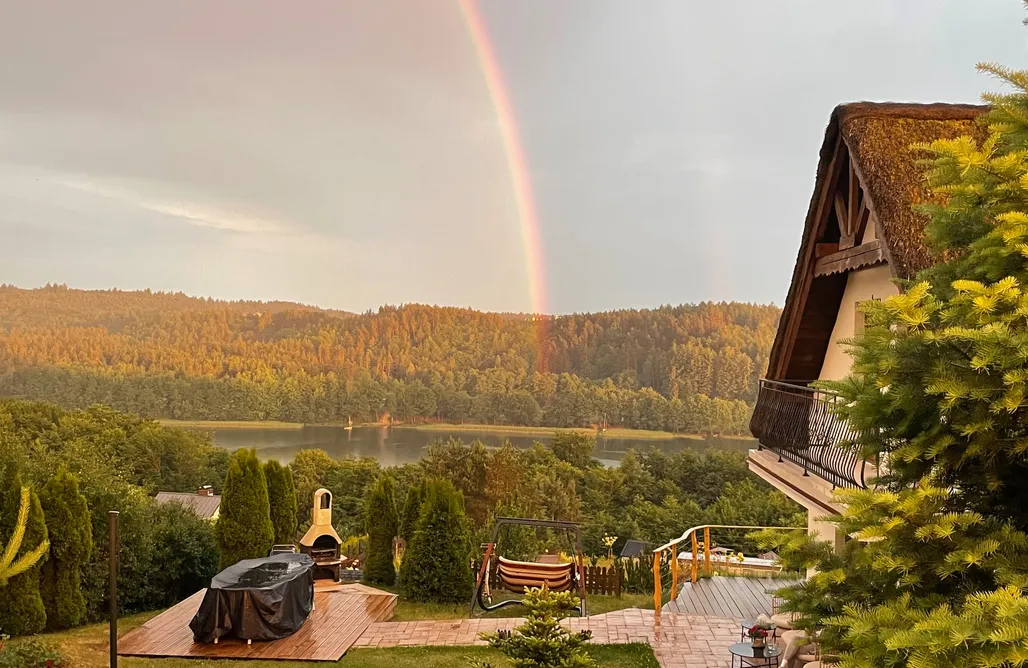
342 612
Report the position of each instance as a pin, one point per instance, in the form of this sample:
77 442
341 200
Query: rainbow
517 165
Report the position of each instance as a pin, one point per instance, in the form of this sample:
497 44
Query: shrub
185 552
244 527
21 607
71 542
281 501
382 527
32 652
541 642
436 566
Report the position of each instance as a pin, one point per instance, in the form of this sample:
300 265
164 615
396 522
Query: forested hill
684 368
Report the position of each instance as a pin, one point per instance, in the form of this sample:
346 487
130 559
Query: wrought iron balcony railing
797 423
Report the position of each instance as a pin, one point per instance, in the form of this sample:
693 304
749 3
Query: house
860 234
204 502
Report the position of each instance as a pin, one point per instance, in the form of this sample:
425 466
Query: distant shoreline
613 432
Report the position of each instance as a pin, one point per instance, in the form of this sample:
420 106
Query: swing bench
519 576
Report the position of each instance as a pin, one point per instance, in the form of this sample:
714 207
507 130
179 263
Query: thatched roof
878 135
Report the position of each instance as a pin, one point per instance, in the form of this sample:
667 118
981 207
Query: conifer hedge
281 500
69 525
21 606
437 565
382 528
244 523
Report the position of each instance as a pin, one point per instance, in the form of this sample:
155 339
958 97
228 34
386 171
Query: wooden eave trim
791 319
880 231
852 258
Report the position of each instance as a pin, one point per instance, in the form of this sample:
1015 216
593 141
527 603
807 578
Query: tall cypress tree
244 522
71 543
381 522
21 606
281 500
437 563
412 510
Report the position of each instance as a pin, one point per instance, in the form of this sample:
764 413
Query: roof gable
870 141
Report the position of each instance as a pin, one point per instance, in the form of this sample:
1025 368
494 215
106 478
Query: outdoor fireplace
321 541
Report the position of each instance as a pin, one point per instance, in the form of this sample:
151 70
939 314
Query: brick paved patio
679 641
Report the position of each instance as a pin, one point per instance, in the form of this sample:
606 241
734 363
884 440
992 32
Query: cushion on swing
517 576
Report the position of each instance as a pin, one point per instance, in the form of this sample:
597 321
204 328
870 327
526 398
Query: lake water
393 446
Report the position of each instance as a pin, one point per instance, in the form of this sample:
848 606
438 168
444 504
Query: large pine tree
939 395
281 500
244 522
71 543
21 606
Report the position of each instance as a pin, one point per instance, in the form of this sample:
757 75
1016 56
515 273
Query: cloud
201 214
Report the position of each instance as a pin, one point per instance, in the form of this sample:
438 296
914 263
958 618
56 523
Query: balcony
797 423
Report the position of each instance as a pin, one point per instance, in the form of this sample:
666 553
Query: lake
394 446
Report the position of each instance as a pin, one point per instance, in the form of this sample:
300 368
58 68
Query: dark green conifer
71 543
436 565
281 500
244 522
21 607
412 510
381 522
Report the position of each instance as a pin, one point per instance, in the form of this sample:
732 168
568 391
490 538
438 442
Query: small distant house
204 502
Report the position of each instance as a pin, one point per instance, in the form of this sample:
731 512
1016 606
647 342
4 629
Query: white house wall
861 285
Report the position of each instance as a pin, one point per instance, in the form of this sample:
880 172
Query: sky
349 153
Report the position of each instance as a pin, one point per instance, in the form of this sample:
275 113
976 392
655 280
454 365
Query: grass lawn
614 432
641 434
86 647
230 424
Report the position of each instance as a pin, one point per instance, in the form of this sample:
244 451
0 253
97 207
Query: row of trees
553 400
116 461
171 333
651 496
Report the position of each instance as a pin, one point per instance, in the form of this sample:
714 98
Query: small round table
748 655
748 624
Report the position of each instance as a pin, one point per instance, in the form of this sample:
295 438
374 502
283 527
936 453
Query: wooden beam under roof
856 257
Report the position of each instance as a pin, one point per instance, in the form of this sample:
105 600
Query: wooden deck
341 614
739 598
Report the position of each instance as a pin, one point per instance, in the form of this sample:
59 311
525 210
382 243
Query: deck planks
341 614
732 597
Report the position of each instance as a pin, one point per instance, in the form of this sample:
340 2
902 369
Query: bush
381 525
21 607
281 501
244 526
69 525
185 553
541 642
437 566
31 652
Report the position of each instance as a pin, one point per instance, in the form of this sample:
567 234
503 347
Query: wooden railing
798 423
667 555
